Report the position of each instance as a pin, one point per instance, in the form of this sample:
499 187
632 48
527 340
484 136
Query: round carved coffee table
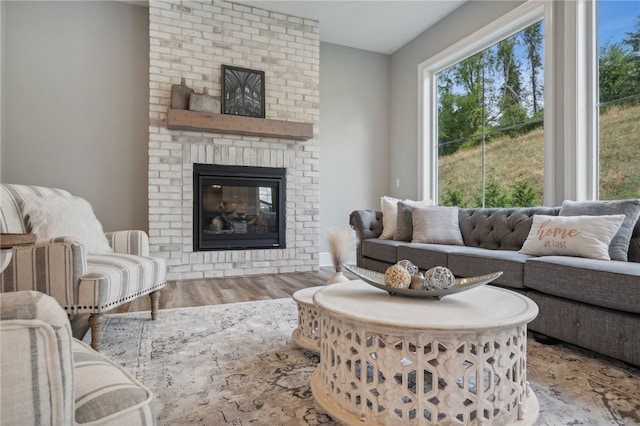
392 360
306 335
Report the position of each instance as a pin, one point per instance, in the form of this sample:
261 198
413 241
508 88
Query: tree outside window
490 125
619 99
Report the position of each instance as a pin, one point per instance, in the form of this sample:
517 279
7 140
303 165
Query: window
618 37
477 98
490 138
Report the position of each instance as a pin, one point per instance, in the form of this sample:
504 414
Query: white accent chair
50 378
82 283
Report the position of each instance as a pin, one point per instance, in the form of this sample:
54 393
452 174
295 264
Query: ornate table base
378 368
306 335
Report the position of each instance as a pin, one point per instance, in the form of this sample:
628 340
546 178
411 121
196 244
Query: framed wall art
242 91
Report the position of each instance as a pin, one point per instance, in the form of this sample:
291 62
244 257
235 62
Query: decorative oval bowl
376 279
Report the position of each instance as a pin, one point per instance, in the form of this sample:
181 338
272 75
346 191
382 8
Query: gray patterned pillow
404 223
630 208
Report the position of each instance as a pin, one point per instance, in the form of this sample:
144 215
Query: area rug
235 364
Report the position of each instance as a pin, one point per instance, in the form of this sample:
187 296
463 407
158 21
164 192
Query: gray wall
404 85
78 91
2 75
76 83
354 133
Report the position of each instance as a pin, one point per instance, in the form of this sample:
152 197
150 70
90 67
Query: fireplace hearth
238 207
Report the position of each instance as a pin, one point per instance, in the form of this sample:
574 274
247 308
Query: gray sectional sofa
594 304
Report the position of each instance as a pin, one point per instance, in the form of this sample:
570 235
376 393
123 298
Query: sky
615 19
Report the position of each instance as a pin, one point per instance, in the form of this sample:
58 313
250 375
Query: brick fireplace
192 40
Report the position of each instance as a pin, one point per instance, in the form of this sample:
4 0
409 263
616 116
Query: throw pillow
629 208
51 217
404 226
437 225
583 236
389 217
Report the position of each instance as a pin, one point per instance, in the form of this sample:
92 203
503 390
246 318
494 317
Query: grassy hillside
510 160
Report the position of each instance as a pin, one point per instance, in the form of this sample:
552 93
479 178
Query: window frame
509 24
571 118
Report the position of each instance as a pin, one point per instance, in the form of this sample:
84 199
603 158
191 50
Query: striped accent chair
81 282
50 378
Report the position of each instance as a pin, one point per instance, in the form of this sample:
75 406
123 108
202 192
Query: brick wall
191 40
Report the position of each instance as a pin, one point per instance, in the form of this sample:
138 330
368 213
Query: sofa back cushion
619 246
497 228
11 197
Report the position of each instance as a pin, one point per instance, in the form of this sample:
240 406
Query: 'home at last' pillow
51 217
582 236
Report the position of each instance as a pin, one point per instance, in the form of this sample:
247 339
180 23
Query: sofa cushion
122 277
473 261
619 246
389 207
375 265
436 225
404 216
610 284
385 250
106 392
426 256
584 236
404 222
634 244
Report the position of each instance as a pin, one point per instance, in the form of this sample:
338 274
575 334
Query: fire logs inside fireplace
238 207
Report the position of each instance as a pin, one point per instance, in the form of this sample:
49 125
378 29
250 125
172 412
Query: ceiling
377 26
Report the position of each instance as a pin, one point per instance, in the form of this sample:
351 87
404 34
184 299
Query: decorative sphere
410 267
439 278
397 276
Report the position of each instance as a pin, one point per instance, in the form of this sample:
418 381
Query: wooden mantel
178 119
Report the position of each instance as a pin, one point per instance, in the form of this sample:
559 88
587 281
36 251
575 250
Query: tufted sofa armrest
129 242
367 224
36 362
54 266
499 229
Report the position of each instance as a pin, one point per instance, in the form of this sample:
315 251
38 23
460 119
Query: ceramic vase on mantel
338 277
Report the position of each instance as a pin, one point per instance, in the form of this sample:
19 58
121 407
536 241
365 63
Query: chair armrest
129 242
36 362
53 266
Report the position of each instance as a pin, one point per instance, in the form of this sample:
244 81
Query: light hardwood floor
215 291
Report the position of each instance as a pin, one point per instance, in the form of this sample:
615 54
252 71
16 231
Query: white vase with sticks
340 242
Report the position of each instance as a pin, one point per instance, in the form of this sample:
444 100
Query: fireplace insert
238 207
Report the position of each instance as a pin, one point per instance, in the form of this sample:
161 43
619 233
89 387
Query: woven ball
439 278
397 276
410 267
